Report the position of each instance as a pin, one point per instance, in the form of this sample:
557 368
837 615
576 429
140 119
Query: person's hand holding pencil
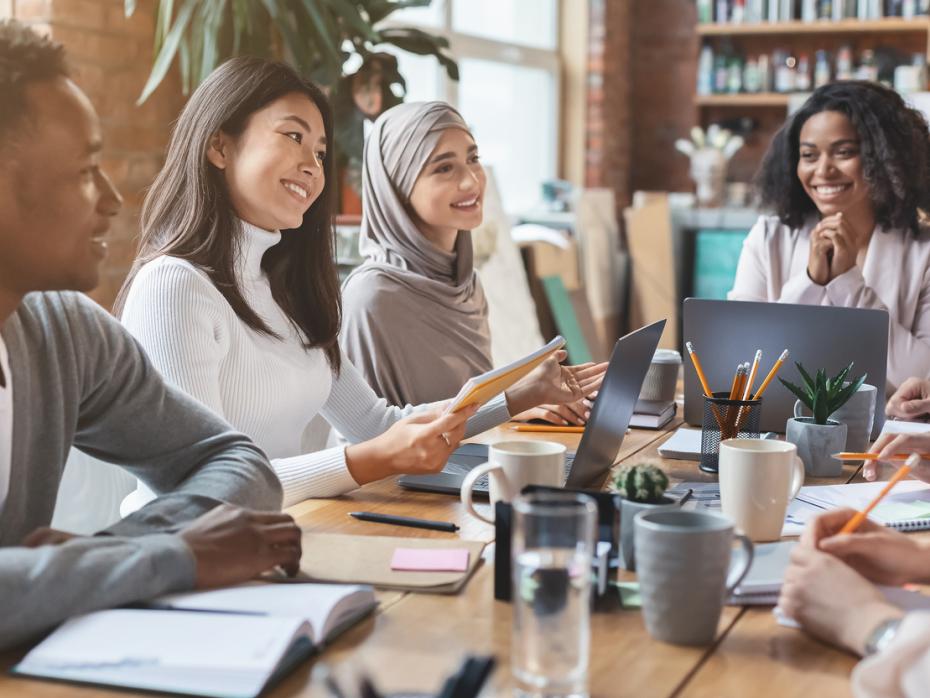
888 449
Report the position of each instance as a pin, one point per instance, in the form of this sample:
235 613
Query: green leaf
808 381
843 396
168 50
163 23
379 9
325 33
349 13
804 396
129 7
819 409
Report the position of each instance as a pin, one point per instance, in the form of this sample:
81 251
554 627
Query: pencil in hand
856 521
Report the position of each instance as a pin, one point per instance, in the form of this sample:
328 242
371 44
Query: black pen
685 497
405 521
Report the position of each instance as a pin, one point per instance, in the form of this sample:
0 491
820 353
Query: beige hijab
415 316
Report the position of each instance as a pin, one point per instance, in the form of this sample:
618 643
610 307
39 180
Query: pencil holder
726 419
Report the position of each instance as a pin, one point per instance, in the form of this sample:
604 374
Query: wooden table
414 640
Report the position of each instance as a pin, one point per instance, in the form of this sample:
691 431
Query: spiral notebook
906 507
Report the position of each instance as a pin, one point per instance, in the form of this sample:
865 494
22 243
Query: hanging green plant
316 37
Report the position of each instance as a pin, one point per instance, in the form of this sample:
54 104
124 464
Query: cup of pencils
733 414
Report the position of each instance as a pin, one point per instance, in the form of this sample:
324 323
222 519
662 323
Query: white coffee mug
758 477
511 466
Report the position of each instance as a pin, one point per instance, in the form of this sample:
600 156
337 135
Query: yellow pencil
768 378
903 472
849 455
698 369
549 428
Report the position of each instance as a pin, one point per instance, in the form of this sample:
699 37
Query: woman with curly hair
848 178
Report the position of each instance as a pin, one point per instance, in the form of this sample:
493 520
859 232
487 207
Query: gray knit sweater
79 378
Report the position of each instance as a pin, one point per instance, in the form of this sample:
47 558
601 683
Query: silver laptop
725 333
603 435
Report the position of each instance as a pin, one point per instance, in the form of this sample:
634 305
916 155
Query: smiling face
274 168
448 195
56 203
830 166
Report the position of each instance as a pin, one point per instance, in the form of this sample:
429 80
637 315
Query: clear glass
526 22
494 96
553 546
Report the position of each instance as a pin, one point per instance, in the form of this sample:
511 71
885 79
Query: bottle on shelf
802 74
734 75
785 65
720 73
705 75
868 68
752 79
821 69
844 64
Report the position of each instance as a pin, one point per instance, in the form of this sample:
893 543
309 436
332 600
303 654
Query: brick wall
110 57
609 115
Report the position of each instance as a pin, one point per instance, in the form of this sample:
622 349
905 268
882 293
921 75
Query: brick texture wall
110 57
609 120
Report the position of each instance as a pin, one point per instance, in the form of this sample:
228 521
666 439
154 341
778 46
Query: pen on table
685 497
849 455
856 521
549 428
447 526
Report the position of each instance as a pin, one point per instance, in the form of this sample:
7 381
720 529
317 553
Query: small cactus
641 483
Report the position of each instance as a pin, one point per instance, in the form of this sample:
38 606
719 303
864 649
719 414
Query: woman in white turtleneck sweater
235 296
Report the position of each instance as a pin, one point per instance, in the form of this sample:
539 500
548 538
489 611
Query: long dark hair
188 213
894 148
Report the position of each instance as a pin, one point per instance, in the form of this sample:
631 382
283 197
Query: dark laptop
725 333
603 435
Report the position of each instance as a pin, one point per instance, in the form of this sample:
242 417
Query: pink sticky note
430 560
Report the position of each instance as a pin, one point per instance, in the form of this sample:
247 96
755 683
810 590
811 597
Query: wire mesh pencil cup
726 419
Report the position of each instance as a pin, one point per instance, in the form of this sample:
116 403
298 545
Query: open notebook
231 642
480 389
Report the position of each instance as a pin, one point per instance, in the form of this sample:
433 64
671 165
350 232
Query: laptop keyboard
482 483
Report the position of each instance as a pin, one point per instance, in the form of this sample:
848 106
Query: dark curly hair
25 58
894 148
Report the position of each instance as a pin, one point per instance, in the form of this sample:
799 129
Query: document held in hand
480 389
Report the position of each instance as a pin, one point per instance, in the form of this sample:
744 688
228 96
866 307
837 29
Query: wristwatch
882 636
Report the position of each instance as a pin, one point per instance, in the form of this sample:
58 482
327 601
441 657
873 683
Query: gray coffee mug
682 560
858 414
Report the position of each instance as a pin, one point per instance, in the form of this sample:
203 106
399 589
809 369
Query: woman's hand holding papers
831 600
233 545
419 444
880 554
551 383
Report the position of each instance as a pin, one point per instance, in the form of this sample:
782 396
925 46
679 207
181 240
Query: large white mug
758 477
511 466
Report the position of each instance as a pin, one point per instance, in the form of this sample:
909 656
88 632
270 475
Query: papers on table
229 642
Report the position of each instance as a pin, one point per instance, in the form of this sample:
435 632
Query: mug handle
737 576
798 409
469 482
798 480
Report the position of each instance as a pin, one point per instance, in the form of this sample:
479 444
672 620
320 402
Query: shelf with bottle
731 78
889 25
794 16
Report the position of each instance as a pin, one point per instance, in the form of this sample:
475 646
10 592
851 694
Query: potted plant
819 437
641 486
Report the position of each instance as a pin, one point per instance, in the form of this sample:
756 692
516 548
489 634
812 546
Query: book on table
652 414
481 389
231 642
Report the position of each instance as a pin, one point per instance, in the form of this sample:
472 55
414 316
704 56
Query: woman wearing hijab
235 296
415 315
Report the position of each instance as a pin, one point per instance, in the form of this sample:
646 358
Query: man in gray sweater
71 375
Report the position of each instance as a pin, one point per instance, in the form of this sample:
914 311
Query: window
508 91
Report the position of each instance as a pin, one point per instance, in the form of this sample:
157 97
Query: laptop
603 435
727 332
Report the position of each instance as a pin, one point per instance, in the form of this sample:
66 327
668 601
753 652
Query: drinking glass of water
553 548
